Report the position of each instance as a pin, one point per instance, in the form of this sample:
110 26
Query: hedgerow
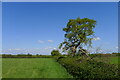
88 68
25 56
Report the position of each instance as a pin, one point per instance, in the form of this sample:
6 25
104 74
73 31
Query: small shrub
55 53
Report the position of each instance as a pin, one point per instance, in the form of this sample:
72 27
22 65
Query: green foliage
79 32
6 55
24 54
88 68
117 54
55 53
94 55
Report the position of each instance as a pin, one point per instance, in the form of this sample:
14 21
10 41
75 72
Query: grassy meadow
32 68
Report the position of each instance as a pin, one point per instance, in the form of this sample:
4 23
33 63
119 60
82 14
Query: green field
32 68
110 60
0 67
115 60
40 67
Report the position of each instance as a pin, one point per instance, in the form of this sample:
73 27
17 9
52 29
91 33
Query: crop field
32 68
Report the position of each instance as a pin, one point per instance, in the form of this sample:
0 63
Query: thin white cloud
116 47
96 38
45 50
55 48
50 41
17 49
40 41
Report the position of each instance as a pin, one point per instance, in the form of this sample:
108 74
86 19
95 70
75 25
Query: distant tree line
25 56
54 53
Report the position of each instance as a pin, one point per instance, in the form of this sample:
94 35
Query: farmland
46 67
32 68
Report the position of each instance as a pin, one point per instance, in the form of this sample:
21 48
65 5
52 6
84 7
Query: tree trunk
84 52
73 51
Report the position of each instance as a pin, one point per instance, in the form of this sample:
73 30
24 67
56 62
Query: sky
60 0
36 27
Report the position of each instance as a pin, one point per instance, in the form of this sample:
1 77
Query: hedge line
26 56
88 68
104 55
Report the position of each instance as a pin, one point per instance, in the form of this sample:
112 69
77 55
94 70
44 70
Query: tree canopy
55 53
79 33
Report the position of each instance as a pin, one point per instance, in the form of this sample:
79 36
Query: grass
114 60
0 68
32 68
110 60
40 67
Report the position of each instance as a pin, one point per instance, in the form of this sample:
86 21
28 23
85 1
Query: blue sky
60 0
36 27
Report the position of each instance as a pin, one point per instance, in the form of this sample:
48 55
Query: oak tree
79 33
